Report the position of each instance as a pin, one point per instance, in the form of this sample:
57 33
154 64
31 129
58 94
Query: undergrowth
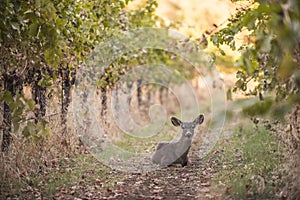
248 164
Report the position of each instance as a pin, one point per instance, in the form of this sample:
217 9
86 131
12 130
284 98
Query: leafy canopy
271 54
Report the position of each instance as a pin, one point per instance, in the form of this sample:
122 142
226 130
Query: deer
170 153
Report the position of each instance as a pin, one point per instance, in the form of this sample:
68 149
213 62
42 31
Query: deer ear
199 119
175 121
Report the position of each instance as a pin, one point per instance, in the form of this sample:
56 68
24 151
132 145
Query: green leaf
7 97
31 104
33 29
16 124
12 105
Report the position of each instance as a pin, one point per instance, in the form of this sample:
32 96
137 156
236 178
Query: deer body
169 153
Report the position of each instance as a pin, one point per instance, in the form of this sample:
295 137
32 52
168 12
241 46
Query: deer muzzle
188 134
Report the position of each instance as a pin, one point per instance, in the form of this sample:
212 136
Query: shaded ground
169 183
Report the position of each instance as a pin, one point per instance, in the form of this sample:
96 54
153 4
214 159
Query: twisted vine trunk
39 97
8 86
149 90
166 93
129 85
103 102
67 81
116 96
11 83
160 95
139 92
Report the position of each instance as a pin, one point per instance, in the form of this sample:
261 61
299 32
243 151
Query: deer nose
188 134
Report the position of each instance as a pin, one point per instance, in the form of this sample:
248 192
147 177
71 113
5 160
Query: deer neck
183 145
185 141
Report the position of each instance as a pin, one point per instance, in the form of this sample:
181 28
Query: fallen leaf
206 184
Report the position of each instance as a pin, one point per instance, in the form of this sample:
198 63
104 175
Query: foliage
259 108
144 17
270 56
40 38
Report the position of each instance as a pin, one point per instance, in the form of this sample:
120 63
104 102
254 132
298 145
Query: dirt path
175 182
168 183
190 182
